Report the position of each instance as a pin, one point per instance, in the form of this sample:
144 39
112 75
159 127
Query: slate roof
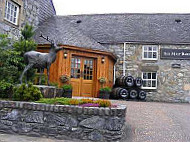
90 30
60 29
119 28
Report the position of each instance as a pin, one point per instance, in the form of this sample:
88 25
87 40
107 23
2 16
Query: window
11 12
149 80
150 52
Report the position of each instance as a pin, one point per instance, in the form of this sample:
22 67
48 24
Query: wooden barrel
138 82
119 93
142 95
129 81
124 94
120 81
133 94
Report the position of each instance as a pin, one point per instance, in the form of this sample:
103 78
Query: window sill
11 24
148 88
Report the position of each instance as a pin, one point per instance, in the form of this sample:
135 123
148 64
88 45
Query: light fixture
65 54
103 60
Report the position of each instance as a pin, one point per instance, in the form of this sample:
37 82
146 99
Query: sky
74 7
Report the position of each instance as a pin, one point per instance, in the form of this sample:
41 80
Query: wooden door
82 76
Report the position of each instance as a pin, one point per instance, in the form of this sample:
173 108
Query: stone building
155 47
14 14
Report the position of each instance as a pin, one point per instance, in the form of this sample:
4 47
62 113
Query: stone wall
173 83
31 11
62 121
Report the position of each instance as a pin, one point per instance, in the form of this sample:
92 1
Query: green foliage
69 101
62 101
26 93
105 89
11 65
25 45
11 60
67 87
4 41
103 103
43 78
54 84
5 89
27 32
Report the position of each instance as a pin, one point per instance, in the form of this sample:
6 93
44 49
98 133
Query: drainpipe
114 72
124 59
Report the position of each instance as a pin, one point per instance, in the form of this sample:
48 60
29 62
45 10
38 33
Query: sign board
175 54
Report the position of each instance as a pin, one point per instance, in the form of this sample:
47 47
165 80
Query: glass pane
153 83
149 83
149 54
144 83
144 75
145 55
90 77
72 60
154 48
145 48
153 75
150 48
149 75
154 55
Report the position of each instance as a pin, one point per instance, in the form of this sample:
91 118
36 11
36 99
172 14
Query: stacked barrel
126 87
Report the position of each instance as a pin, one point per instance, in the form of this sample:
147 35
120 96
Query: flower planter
104 94
67 93
63 121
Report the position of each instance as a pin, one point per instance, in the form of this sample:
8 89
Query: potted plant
102 81
104 93
64 78
67 91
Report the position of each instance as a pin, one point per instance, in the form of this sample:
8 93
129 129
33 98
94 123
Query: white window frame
11 12
152 51
149 79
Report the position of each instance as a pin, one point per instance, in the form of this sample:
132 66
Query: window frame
147 58
153 88
15 5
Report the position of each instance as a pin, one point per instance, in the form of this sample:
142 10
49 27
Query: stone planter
67 93
63 121
50 91
104 94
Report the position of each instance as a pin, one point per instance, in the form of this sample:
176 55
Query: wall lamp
103 60
65 54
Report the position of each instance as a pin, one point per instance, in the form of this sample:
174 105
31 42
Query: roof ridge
107 14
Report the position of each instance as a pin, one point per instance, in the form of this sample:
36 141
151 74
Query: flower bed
63 121
80 102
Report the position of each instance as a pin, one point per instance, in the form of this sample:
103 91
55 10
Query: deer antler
46 38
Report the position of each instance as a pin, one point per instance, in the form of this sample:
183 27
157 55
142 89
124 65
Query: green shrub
26 93
103 103
69 101
5 89
62 101
43 79
105 89
67 87
54 84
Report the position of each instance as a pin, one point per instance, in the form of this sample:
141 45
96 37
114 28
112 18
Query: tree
26 43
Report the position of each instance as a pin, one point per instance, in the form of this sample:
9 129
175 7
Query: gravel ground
146 122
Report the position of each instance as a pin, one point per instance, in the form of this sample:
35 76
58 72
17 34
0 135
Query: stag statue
40 60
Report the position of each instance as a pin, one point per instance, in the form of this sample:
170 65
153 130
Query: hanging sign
175 54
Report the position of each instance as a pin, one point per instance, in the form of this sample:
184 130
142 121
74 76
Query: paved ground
146 122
